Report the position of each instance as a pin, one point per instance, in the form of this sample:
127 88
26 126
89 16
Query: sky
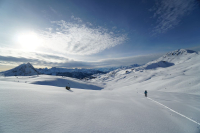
95 33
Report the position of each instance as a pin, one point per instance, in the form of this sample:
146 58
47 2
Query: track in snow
173 111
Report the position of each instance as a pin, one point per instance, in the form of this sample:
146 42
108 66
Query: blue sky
94 33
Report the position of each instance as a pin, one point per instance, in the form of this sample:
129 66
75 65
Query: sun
29 41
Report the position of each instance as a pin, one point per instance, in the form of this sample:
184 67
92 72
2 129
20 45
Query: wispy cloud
169 13
79 39
76 18
53 10
126 61
88 23
17 56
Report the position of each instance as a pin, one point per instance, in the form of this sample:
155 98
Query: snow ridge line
174 111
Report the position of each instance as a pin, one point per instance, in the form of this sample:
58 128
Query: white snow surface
113 102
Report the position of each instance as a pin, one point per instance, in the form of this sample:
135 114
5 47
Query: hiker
145 92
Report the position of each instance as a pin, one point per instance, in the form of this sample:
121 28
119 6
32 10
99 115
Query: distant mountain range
28 70
166 60
80 73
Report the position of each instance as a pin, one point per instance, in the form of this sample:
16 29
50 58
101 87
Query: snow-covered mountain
178 56
55 70
21 70
168 60
74 73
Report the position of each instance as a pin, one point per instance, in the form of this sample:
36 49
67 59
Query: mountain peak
21 70
180 52
29 64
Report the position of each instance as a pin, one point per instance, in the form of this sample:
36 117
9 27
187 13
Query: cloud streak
170 12
14 58
79 39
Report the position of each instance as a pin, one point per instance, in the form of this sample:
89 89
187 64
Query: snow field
37 108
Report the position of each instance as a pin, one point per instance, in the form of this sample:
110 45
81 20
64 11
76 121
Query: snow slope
113 102
182 76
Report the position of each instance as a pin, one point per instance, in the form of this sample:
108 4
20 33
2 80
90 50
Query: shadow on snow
70 83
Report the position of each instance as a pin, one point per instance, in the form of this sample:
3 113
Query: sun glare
29 41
